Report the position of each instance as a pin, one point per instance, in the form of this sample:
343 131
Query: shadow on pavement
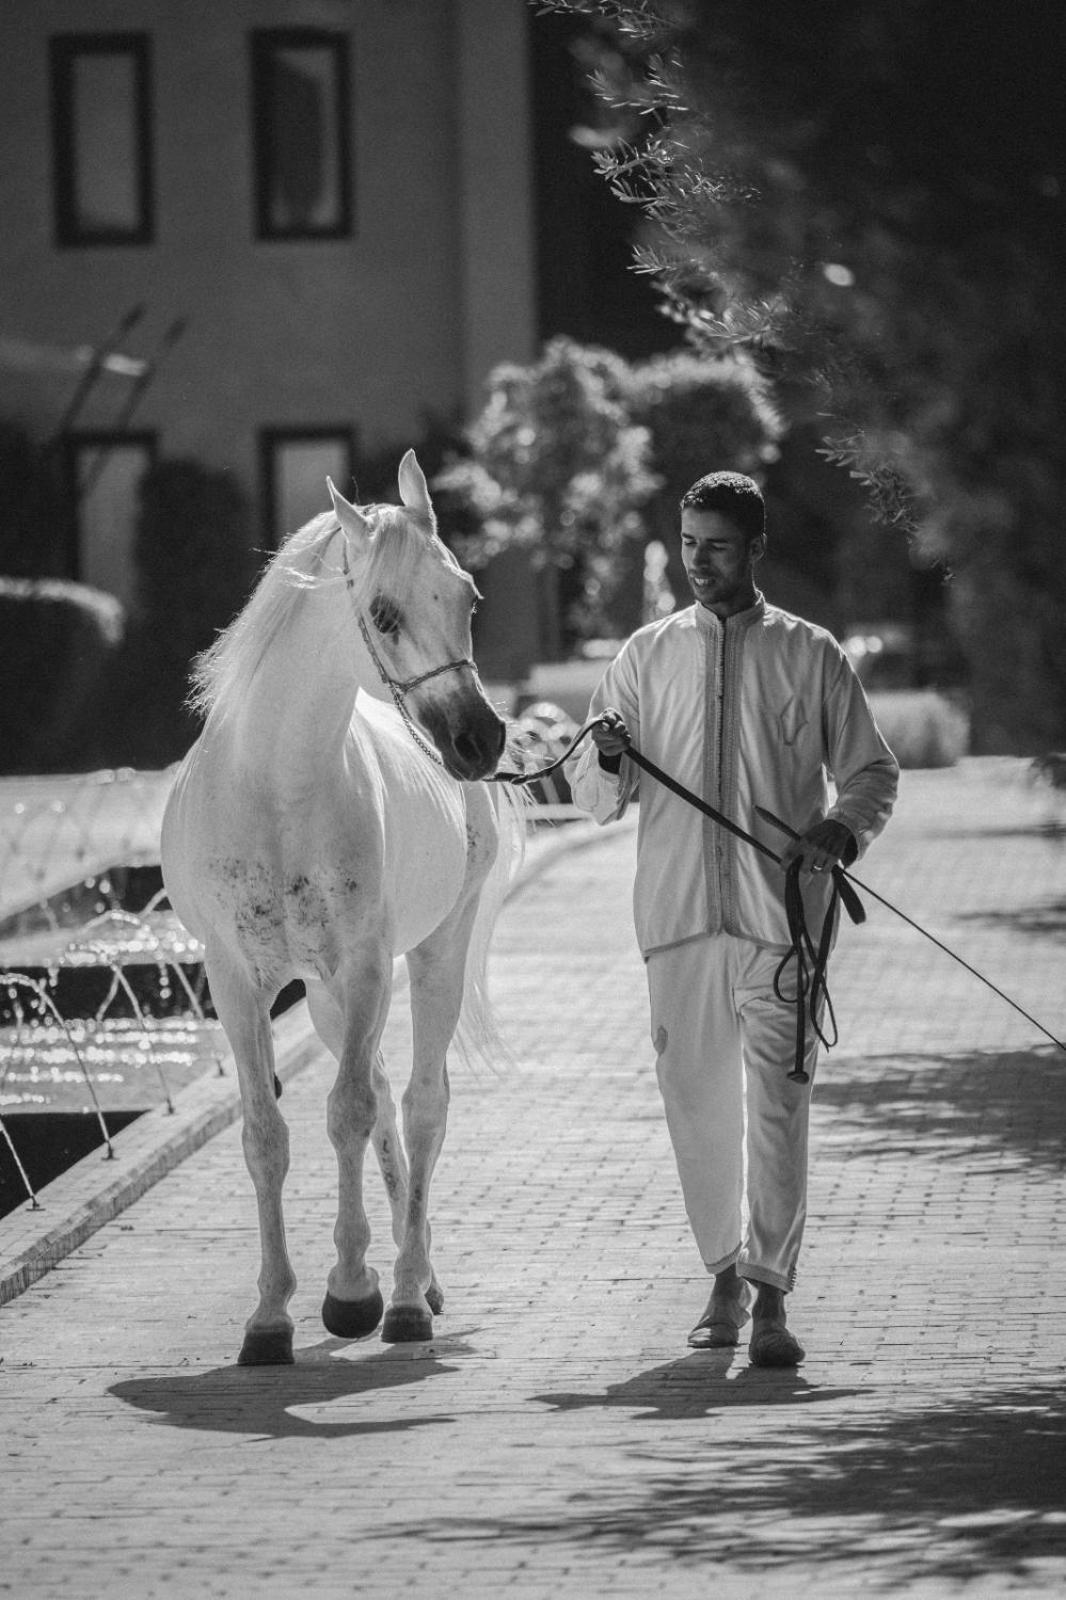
1046 919
267 1402
1050 828
971 1488
696 1386
1010 1105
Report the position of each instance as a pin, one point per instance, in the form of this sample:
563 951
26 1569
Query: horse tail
477 1036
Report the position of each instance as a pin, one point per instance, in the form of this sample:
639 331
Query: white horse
328 819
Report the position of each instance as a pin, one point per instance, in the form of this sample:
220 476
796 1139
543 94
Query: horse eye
385 614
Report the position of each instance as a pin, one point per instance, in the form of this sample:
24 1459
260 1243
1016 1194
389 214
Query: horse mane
221 674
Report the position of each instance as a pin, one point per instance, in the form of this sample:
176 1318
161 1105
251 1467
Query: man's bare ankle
729 1287
769 1304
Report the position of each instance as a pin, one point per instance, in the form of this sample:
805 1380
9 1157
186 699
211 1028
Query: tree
702 414
867 195
582 459
555 467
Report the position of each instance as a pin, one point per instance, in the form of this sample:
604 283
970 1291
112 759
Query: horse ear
414 490
350 517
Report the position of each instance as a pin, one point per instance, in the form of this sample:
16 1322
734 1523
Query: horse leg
353 1304
328 1019
436 969
244 1014
388 1146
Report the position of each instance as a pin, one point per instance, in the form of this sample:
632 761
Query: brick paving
557 1438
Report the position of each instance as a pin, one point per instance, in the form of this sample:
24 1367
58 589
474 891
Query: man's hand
610 738
609 734
821 848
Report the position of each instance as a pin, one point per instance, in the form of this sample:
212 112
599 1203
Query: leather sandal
719 1327
773 1346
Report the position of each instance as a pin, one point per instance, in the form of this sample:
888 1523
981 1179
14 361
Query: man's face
719 558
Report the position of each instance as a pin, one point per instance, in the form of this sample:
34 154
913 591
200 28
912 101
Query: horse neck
302 698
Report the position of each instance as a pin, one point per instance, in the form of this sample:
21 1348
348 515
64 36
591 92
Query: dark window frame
74 442
263 43
271 439
64 51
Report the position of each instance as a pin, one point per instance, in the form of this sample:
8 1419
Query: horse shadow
266 1402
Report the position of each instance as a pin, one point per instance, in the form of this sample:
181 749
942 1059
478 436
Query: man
745 705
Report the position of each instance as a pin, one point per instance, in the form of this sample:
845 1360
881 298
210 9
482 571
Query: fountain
103 1008
104 1011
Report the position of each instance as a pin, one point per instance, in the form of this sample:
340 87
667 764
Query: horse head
414 604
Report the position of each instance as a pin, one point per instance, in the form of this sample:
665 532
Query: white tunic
761 709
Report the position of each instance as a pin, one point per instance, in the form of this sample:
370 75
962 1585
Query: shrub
555 467
195 567
57 641
923 728
34 507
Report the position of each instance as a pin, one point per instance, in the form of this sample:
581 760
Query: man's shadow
695 1386
265 1401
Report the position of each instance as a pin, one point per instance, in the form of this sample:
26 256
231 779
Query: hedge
57 640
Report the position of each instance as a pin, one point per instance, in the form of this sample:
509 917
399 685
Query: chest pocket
792 718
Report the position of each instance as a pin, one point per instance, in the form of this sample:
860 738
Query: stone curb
83 1199
79 1202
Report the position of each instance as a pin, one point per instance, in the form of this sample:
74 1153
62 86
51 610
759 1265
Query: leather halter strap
405 685
399 688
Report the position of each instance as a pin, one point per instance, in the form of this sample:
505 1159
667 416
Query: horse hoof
352 1319
267 1347
435 1298
406 1325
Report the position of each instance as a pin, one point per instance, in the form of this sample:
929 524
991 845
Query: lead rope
812 961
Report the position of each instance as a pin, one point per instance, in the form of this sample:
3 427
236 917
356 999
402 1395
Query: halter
401 687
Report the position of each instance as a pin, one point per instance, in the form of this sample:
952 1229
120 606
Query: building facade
308 222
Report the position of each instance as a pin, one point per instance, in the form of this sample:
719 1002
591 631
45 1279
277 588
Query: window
295 465
300 126
105 475
101 139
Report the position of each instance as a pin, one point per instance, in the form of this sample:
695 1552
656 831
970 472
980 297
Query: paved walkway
557 1439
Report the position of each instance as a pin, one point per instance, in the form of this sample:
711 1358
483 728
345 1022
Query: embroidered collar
739 619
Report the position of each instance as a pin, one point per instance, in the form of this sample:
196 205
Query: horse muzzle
469 738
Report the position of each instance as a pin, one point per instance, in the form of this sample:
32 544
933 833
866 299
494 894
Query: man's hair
733 496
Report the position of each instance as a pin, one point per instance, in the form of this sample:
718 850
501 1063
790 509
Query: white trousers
724 1045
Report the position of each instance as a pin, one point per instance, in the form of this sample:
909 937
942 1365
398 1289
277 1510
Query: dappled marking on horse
329 818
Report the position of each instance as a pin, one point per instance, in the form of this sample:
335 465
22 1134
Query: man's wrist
850 848
611 764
